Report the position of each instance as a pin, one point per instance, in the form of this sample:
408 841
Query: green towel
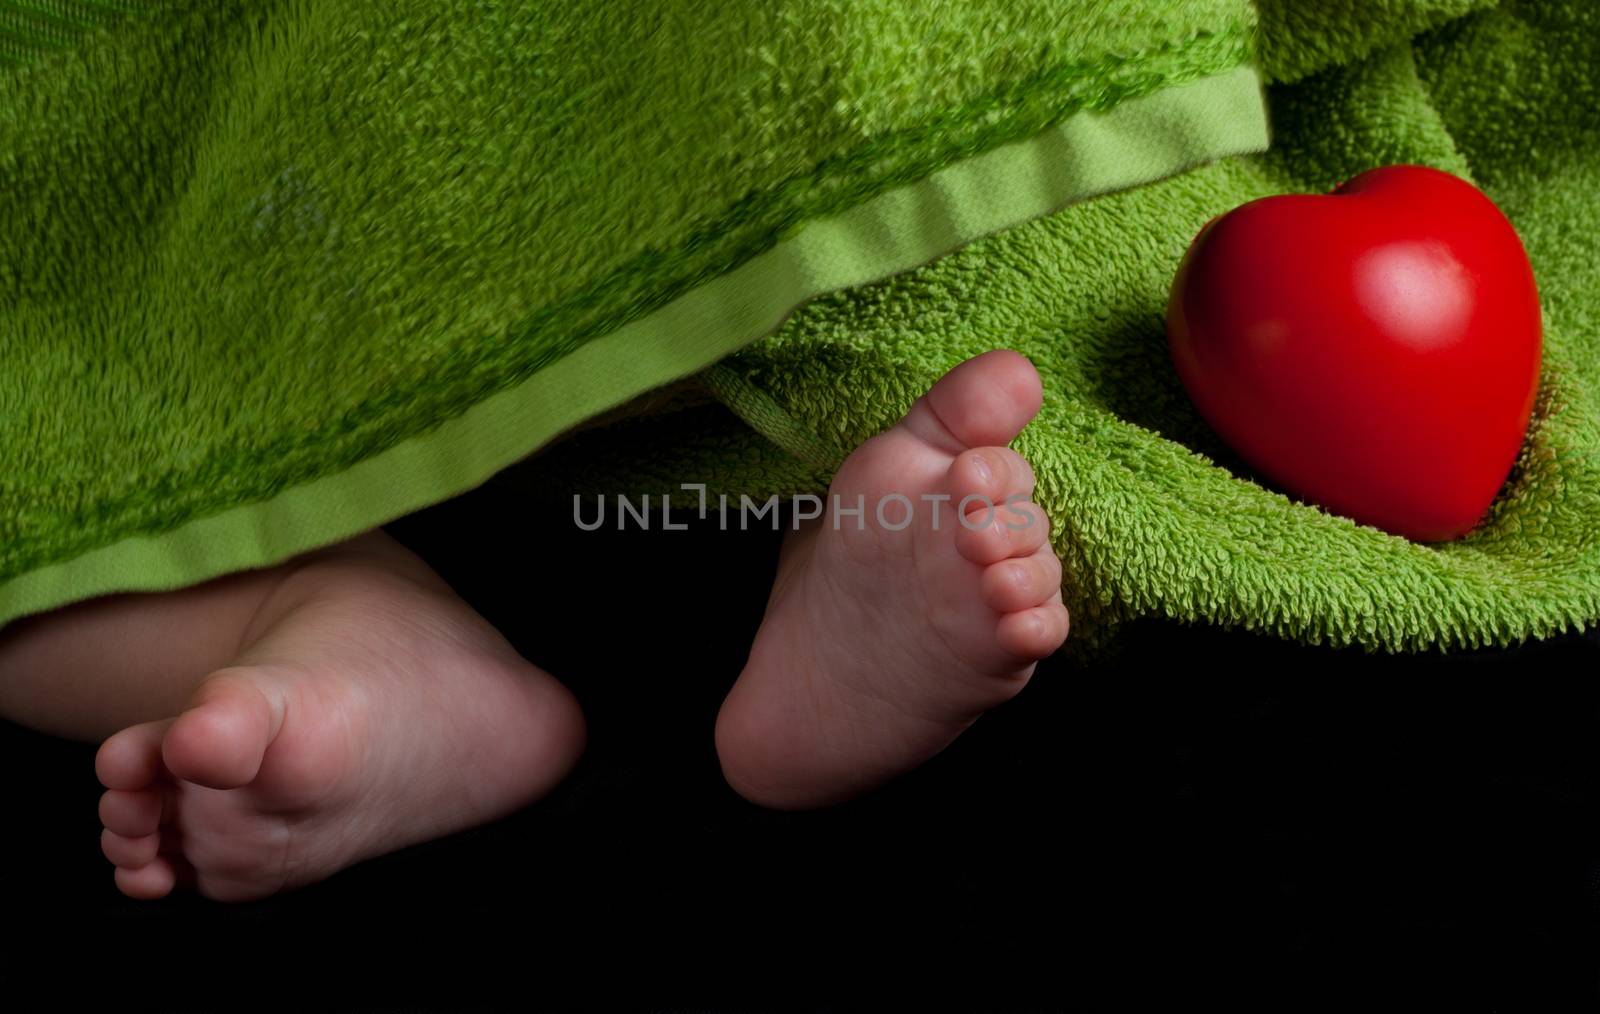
276 272
1153 515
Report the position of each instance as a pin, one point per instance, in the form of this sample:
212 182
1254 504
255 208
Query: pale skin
264 730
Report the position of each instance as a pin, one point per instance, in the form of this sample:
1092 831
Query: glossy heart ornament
1374 350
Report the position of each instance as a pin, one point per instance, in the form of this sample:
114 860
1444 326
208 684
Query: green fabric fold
279 272
1153 515
892 232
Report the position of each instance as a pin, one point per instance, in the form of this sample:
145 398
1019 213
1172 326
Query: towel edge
1085 155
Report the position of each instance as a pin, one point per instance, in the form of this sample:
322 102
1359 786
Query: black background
1203 818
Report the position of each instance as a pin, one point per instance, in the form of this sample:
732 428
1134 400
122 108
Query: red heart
1374 350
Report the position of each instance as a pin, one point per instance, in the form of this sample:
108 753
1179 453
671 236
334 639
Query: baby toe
131 759
1034 633
1017 529
988 476
130 813
1013 585
221 740
148 882
986 400
130 853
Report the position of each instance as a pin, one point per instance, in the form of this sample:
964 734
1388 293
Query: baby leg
281 724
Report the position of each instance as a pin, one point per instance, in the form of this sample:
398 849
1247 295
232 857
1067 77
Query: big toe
985 401
220 740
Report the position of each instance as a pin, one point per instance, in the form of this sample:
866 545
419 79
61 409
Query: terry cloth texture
273 273
278 272
1152 514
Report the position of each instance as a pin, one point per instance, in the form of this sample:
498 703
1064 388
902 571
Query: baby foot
370 709
879 647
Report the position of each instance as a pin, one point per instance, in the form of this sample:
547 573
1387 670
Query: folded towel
1152 514
278 272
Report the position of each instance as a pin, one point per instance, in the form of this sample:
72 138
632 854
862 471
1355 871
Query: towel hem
1090 153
